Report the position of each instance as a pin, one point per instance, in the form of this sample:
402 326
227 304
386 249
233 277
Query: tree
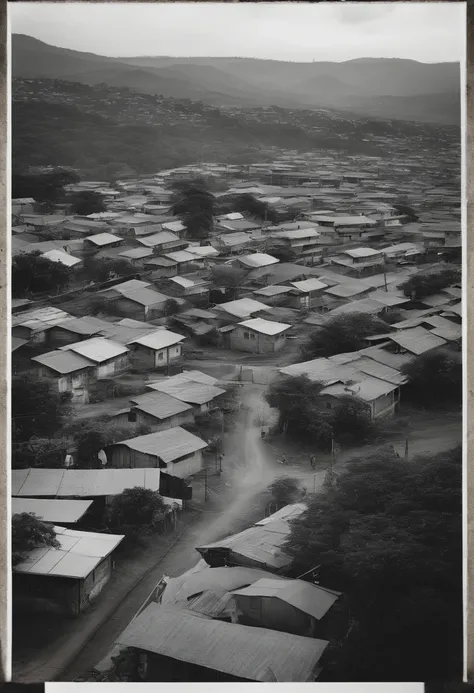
341 334
389 535
43 186
102 269
87 202
37 408
33 274
256 208
227 277
427 282
281 252
435 378
136 507
28 533
285 490
195 204
171 307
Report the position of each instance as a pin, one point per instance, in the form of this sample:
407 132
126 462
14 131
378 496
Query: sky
428 32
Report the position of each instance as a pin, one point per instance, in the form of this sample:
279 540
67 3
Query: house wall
162 424
385 405
121 457
76 383
255 343
113 366
186 467
95 582
154 358
131 309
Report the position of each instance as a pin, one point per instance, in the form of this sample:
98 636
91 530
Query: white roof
202 250
309 285
258 260
51 510
242 307
168 445
362 252
180 256
83 483
62 257
174 226
97 349
265 326
103 239
158 239
78 555
160 339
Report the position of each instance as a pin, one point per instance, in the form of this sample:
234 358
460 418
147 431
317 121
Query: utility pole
385 274
314 483
406 448
205 486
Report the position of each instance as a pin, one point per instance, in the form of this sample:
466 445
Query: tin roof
242 307
136 253
159 339
160 405
255 654
272 290
63 362
83 483
102 239
185 376
202 250
362 252
311 599
258 260
51 510
62 257
267 327
189 391
78 555
144 296
312 284
169 445
97 349
158 239
417 340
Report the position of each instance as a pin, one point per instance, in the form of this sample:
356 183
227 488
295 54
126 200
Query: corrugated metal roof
130 285
435 300
212 604
179 256
364 305
144 297
347 289
189 391
258 260
160 339
86 326
78 555
16 343
450 332
50 510
83 483
160 405
362 252
62 257
42 316
63 362
191 584
184 377
102 239
203 251
97 349
158 239
267 327
242 307
168 445
367 389
242 651
381 355
309 285
136 253
417 340
287 513
388 298
272 290
311 599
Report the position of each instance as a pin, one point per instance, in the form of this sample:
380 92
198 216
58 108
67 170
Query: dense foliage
427 282
285 490
42 186
34 274
305 415
341 334
136 507
195 204
389 535
28 533
87 202
434 378
102 269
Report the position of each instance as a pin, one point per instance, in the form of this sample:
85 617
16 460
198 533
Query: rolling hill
375 87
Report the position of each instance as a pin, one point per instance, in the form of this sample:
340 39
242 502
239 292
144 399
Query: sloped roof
311 599
242 307
347 289
256 654
78 555
83 483
168 445
189 391
417 340
258 260
184 377
51 510
144 297
159 339
136 253
272 290
97 349
388 298
362 252
62 257
158 239
364 305
102 239
160 405
63 362
312 284
267 327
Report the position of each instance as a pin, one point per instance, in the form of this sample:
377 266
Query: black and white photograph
236 333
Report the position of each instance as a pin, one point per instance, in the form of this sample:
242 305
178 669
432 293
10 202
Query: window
328 405
132 416
246 335
160 356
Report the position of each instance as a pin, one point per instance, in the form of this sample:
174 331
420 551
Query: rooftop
63 362
97 349
102 239
258 260
62 257
169 445
242 307
265 326
51 510
160 339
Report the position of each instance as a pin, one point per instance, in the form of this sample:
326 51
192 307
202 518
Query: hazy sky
429 32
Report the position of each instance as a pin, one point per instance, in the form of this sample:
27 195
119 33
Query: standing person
312 460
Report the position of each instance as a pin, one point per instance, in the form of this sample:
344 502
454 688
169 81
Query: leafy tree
195 204
136 507
171 307
407 211
37 408
281 252
341 334
33 274
435 377
90 436
102 269
256 208
28 533
389 535
227 277
87 202
427 282
285 490
43 186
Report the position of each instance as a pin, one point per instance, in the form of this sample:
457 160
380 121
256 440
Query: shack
259 336
157 349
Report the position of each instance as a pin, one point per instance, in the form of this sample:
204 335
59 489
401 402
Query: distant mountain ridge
374 87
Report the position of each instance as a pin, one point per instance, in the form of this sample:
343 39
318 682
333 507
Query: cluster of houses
239 615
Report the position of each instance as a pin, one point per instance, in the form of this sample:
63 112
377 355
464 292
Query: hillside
384 88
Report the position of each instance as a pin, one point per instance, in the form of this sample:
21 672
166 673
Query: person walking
312 460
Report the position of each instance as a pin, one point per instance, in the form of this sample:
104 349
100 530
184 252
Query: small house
307 293
71 330
203 395
157 410
259 336
136 256
68 579
183 259
174 450
139 304
69 371
240 309
101 241
108 357
34 325
303 242
158 348
256 260
162 242
192 287
358 261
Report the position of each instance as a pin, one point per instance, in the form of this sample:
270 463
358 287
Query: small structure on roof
186 646
259 336
174 450
66 580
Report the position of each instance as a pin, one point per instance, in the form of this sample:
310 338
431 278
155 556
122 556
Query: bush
136 508
428 282
34 274
342 334
434 378
285 491
28 533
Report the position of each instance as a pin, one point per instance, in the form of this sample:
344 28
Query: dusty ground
235 499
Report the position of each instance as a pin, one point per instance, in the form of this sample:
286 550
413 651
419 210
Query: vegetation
34 274
281 253
285 490
28 533
45 186
136 508
434 378
90 436
389 535
194 203
102 269
87 202
341 334
227 277
305 415
427 282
